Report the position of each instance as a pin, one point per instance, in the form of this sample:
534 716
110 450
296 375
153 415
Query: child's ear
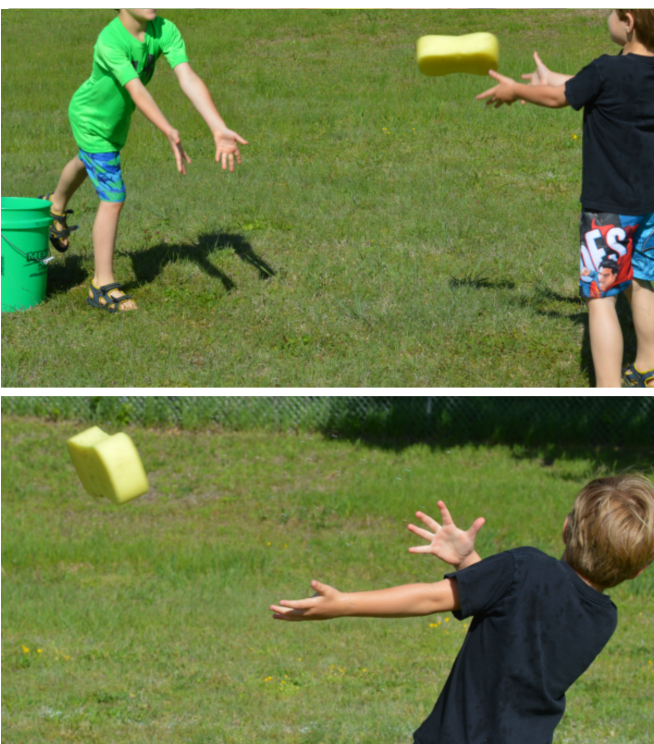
565 527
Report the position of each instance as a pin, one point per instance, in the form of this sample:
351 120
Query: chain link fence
582 420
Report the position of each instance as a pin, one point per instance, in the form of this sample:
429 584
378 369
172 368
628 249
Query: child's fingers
421 549
298 604
284 613
429 521
179 159
420 532
487 93
320 588
446 519
476 526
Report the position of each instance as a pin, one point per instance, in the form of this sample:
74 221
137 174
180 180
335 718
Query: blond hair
643 23
609 535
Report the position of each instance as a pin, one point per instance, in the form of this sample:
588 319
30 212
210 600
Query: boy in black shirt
617 221
538 623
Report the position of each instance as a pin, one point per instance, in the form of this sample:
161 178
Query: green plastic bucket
25 252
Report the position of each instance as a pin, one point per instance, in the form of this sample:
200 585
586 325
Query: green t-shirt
101 109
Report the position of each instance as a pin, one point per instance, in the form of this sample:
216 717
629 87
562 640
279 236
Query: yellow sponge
108 465
472 53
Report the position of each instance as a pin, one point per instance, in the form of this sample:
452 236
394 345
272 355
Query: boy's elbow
135 88
445 596
559 99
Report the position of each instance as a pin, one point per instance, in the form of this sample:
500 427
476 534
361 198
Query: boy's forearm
409 600
198 94
555 79
550 96
148 107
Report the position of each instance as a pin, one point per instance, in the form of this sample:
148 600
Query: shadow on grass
150 263
612 433
544 295
480 283
603 460
66 274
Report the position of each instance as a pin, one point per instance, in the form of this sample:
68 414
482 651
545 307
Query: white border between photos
329 392
307 5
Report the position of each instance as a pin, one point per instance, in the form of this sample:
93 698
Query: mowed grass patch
150 623
385 229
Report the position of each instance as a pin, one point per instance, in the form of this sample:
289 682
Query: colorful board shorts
103 168
615 248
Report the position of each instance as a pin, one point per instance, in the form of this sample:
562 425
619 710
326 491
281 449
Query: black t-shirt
617 95
536 628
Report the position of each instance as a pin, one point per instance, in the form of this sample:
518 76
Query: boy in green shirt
100 114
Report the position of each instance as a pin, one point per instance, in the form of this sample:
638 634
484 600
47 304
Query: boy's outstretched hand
325 604
447 541
541 74
227 148
181 158
502 93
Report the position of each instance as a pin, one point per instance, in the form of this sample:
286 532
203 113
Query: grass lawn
149 623
385 229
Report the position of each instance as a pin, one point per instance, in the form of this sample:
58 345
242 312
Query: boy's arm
509 91
197 92
409 600
148 107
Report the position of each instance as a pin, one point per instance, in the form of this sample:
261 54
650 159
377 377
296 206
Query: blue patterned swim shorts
103 168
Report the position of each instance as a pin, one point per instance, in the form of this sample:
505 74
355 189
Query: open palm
227 151
446 540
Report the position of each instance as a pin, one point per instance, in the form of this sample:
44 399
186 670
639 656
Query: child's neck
135 27
598 588
633 46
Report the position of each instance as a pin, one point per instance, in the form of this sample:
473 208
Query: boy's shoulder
110 30
528 554
620 61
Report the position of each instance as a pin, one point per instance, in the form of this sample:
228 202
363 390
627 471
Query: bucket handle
29 258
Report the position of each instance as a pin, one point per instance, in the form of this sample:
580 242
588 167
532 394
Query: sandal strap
108 287
52 212
64 232
118 300
112 304
631 377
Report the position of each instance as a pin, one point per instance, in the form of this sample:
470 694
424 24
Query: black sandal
57 234
631 377
102 299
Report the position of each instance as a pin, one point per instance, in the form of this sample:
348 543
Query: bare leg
72 177
606 342
105 229
641 297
